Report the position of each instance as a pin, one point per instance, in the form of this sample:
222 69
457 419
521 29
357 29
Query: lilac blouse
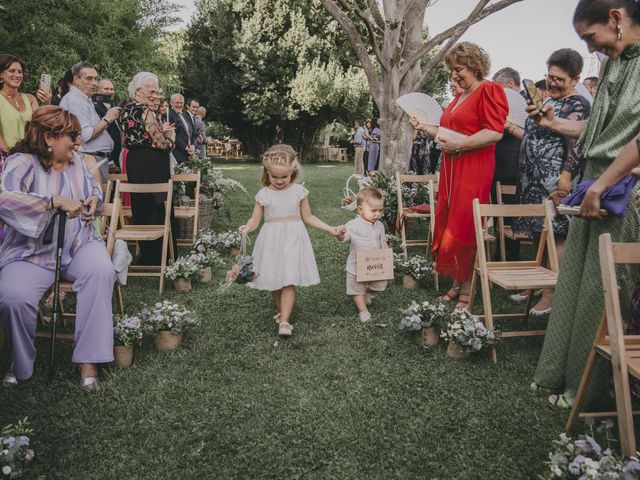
25 207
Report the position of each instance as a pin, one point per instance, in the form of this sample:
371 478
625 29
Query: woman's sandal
90 384
463 303
558 400
452 294
285 329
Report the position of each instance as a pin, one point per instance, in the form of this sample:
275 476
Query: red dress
464 178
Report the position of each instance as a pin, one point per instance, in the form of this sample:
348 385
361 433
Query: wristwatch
457 151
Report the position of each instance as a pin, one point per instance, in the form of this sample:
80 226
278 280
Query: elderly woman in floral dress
45 174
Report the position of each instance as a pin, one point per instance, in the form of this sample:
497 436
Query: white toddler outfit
283 254
363 235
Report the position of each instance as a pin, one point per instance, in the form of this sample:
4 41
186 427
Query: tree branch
359 47
477 14
364 15
376 15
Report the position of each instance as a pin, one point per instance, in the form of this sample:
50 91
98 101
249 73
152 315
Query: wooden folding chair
400 179
141 233
109 215
505 231
623 351
188 211
520 275
125 210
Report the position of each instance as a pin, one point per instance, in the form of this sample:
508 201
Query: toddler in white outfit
365 232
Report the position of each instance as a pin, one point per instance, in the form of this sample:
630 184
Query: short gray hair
505 74
78 67
139 80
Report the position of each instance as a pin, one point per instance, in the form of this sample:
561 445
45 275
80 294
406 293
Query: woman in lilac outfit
44 173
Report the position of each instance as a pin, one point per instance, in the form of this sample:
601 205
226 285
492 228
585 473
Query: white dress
283 254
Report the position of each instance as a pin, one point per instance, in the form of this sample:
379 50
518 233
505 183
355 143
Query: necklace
12 98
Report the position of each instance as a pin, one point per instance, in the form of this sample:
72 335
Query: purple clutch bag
614 199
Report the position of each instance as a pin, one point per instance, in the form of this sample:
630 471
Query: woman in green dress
611 27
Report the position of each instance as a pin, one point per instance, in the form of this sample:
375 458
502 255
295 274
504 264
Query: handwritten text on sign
373 265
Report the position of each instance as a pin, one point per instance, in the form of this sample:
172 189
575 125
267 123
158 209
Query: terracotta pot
454 351
167 340
430 336
205 276
182 285
409 282
123 356
234 251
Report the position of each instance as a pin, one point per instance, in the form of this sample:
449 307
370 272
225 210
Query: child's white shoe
365 316
284 330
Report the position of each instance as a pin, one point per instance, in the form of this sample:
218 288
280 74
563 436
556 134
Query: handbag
614 199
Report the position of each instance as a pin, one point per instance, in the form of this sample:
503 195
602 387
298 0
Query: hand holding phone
532 94
45 82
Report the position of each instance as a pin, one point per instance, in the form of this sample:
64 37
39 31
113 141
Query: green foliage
121 37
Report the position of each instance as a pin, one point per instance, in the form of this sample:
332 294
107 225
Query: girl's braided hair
280 155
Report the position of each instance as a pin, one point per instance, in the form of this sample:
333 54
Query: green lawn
338 400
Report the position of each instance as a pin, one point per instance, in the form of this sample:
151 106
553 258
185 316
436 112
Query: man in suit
190 115
102 102
184 145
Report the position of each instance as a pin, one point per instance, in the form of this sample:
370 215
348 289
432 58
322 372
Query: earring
49 149
619 28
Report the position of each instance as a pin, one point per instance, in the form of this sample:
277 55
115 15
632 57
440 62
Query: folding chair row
505 231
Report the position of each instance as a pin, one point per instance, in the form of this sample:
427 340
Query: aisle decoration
167 321
413 194
15 454
416 270
394 242
242 271
583 458
205 262
466 334
182 271
426 317
127 332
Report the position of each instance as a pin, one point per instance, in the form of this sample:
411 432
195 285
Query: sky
522 36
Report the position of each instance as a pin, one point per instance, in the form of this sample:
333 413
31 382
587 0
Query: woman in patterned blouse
148 143
43 174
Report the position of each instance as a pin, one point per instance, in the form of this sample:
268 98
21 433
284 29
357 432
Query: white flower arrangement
184 267
584 458
227 240
394 242
209 258
205 241
417 266
169 316
128 330
15 453
468 332
424 315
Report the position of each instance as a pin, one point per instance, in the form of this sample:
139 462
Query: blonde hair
471 56
280 155
368 193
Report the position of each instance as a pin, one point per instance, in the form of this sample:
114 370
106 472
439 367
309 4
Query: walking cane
48 237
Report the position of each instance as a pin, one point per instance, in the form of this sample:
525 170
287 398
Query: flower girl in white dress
283 257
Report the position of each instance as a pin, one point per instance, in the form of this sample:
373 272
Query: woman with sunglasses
45 174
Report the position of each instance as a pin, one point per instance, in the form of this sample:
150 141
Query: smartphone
45 82
531 92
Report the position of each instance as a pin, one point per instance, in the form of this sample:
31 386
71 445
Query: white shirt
363 235
82 107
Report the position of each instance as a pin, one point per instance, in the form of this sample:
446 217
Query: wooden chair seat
521 277
139 234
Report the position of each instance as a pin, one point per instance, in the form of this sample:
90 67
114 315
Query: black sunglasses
73 134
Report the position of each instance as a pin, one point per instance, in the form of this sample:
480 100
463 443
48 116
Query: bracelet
107 121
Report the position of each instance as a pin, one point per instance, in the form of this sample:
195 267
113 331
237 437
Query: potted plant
167 321
15 453
127 331
416 270
182 271
584 458
229 242
206 261
466 334
427 317
394 242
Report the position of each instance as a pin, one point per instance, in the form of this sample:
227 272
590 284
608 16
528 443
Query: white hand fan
425 108
582 90
517 107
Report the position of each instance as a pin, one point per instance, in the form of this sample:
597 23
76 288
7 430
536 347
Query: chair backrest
144 187
110 213
502 190
547 240
400 179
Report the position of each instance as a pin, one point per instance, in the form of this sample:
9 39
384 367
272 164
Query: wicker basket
185 225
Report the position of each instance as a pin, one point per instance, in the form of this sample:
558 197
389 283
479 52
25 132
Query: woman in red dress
467 166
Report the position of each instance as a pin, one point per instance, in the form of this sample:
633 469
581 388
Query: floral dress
544 155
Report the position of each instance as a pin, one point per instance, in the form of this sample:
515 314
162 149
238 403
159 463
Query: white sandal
285 329
90 384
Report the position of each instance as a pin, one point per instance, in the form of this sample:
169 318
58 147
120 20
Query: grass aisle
338 400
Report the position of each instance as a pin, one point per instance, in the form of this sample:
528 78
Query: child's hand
242 229
337 231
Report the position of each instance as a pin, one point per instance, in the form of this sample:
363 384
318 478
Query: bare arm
562 126
514 130
313 221
254 221
628 159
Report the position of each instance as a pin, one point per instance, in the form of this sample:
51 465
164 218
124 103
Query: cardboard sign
374 265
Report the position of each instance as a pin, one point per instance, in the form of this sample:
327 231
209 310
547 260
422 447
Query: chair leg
119 299
472 290
488 314
574 416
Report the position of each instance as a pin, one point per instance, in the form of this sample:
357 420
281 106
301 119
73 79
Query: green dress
578 304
